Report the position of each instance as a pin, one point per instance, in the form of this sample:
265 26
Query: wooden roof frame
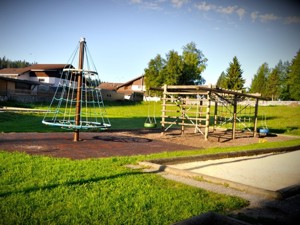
192 89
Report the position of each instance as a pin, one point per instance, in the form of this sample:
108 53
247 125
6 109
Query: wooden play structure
191 106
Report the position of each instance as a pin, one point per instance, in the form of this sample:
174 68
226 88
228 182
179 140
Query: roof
20 81
110 86
14 71
34 67
42 67
131 81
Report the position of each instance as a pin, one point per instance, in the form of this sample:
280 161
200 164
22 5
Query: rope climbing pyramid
77 103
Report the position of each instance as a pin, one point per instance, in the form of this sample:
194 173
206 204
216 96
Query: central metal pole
79 86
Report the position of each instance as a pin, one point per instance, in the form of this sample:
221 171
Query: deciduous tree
194 63
176 69
153 74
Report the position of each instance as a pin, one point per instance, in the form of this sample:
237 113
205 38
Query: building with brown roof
49 74
133 89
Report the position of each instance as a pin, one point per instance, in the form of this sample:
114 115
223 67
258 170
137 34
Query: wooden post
207 116
79 86
216 114
255 118
164 107
234 116
183 103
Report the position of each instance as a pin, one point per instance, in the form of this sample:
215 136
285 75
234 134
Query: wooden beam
187 88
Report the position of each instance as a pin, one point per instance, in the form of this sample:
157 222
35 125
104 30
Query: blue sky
123 35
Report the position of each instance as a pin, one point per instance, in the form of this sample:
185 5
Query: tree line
279 83
7 63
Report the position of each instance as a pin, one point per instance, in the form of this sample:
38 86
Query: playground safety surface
115 143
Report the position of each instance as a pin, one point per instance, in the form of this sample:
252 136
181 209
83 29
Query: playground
193 118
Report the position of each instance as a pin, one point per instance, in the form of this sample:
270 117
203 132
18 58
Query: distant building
133 89
39 78
109 91
15 89
49 74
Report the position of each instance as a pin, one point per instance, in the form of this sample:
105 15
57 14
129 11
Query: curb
161 165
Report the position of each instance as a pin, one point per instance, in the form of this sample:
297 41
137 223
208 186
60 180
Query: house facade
133 89
29 84
109 91
18 90
49 74
43 79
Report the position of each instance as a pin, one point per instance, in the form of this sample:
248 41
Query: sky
124 35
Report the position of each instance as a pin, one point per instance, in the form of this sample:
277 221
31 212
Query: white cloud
203 6
292 19
179 3
241 12
136 1
268 17
254 15
153 5
228 10
264 17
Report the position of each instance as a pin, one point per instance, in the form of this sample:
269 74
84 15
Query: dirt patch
120 143
216 139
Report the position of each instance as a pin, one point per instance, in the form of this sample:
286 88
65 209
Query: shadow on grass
71 183
27 122
284 131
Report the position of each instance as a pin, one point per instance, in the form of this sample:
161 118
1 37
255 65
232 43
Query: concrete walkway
268 171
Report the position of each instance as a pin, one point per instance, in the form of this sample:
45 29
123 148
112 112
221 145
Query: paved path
269 171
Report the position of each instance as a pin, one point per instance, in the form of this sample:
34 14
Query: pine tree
234 77
294 78
222 81
283 69
7 63
273 84
259 82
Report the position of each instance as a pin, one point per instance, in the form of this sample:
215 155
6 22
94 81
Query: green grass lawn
45 190
130 115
